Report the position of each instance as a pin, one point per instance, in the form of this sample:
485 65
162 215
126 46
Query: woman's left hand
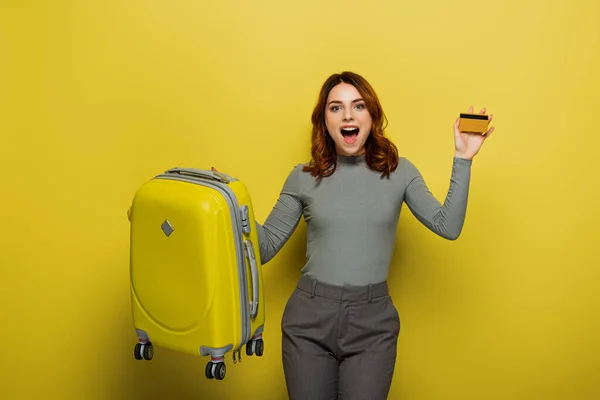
468 144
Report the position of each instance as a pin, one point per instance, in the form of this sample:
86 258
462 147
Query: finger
482 111
490 118
471 110
457 127
489 132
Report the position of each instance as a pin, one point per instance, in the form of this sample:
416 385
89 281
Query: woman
339 327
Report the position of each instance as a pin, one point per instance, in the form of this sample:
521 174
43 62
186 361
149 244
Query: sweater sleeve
283 219
446 220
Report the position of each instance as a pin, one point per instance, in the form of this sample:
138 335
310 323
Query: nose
348 114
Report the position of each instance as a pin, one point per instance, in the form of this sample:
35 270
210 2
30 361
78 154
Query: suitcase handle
200 173
254 273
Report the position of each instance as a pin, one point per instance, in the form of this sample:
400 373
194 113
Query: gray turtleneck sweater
352 217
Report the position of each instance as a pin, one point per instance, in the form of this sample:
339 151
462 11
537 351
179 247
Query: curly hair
381 154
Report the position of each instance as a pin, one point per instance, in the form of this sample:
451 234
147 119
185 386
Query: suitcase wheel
143 351
255 347
215 370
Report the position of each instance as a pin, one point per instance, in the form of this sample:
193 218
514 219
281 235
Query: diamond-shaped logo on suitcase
167 228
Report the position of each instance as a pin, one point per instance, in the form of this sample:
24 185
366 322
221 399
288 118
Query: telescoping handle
254 274
200 173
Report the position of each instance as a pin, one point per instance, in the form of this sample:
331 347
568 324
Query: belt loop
314 288
370 292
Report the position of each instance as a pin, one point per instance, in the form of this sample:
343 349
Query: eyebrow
339 102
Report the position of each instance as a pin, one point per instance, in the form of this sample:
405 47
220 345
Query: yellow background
96 97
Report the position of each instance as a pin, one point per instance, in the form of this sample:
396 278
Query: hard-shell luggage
196 279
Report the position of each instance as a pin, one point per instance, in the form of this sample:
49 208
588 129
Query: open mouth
350 134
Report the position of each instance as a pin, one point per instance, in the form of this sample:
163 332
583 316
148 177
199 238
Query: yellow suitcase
196 275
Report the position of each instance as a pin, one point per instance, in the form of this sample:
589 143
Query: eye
360 106
334 108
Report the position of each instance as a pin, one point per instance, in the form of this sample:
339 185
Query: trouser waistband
342 293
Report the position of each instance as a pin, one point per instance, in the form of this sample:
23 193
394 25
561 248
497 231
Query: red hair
381 154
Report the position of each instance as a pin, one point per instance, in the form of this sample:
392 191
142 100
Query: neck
354 159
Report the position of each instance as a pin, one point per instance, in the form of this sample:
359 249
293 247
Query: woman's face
347 119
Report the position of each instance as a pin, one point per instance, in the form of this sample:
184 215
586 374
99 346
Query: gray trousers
339 343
